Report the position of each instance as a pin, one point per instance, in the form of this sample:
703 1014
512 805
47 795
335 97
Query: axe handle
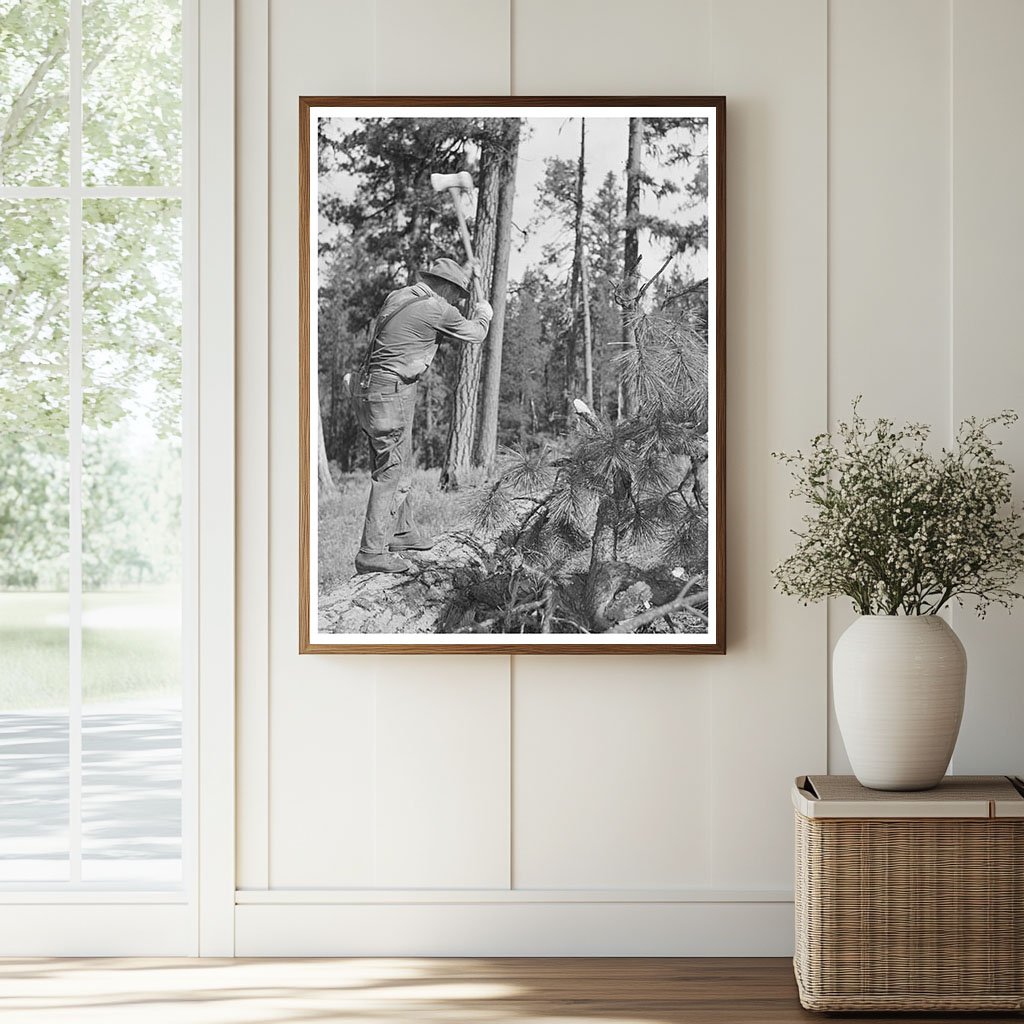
456 194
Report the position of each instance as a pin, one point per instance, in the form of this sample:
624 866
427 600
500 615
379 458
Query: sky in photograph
605 151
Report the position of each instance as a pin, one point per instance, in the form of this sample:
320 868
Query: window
95 463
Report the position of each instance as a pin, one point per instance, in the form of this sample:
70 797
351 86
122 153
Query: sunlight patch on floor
186 991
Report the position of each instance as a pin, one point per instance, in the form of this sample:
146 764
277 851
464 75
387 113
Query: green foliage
899 529
131 92
132 315
131 308
33 320
131 510
33 92
33 514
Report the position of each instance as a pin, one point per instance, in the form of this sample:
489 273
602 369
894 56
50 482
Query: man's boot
411 540
381 562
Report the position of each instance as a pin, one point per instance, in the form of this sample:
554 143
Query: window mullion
93 191
75 302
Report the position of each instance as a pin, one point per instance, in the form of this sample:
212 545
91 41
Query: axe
456 185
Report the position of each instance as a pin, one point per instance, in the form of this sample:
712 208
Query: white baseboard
99 928
514 928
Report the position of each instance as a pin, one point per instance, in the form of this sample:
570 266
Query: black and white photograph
512 391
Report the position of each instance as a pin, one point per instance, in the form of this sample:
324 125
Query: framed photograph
512 375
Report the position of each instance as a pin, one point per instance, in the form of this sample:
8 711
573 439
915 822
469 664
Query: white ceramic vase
898 684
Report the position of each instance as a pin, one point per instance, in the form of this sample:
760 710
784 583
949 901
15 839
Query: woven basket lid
957 796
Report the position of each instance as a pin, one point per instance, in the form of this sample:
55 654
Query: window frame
75 193
69 923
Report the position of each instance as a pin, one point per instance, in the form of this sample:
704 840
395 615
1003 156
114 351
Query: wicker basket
910 901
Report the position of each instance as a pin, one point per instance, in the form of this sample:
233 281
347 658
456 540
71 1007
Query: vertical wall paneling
645 47
252 590
611 775
987 365
889 209
442 776
444 48
769 692
323 762
888 331
321 708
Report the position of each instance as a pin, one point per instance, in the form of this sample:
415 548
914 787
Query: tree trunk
588 337
631 256
323 469
333 429
487 424
579 291
458 457
603 546
571 349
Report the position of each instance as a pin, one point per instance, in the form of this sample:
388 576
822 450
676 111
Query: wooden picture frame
655 111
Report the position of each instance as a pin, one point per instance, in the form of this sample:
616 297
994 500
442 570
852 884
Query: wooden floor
382 991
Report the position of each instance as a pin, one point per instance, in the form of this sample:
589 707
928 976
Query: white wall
541 805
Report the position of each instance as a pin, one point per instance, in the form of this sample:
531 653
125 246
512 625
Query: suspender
379 330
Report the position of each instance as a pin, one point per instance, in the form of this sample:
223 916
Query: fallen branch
484 626
682 602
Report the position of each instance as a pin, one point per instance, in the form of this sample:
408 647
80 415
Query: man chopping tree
408 328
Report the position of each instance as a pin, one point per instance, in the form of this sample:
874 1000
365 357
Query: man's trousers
385 411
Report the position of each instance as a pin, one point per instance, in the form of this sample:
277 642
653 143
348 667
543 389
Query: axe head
463 180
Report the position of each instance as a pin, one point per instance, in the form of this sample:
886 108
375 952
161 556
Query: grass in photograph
341 518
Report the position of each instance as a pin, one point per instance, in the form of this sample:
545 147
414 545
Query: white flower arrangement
900 530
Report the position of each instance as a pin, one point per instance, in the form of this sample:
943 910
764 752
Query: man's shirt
408 343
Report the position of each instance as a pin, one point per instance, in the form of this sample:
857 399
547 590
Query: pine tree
588 529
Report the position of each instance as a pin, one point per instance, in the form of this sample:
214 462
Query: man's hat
448 270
